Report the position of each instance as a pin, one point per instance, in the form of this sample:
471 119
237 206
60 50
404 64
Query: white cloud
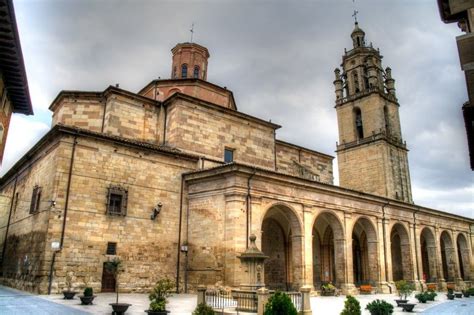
23 134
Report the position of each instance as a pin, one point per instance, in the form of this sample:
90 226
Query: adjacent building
174 180
14 94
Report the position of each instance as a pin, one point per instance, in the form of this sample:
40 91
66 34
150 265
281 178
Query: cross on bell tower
372 155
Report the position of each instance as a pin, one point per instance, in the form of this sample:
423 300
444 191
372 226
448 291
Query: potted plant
422 297
404 289
450 294
158 295
69 293
115 266
466 293
328 289
431 295
379 307
87 297
351 306
471 291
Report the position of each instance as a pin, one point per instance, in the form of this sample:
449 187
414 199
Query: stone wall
298 161
83 111
205 131
25 266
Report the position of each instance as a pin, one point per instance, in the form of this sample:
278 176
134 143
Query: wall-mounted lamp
52 203
156 211
184 248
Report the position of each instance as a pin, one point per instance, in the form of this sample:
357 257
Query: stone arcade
174 180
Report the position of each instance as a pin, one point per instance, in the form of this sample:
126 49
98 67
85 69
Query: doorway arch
402 267
364 252
448 263
463 256
428 255
282 243
328 250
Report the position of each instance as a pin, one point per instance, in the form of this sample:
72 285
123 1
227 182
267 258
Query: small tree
203 309
351 306
115 267
280 304
158 295
404 288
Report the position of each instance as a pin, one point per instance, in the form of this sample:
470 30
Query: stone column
415 246
308 247
235 237
348 287
262 298
201 294
439 262
457 271
305 301
383 254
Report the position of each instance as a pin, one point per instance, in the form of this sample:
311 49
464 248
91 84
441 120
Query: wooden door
108 280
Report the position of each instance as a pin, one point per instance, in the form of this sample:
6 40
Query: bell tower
372 155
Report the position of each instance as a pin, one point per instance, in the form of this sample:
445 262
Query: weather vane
192 32
355 15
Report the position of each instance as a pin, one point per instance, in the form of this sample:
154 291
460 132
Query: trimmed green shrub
471 291
422 297
203 309
379 307
431 295
280 304
88 292
351 306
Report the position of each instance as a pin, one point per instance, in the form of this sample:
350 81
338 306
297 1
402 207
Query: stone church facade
174 180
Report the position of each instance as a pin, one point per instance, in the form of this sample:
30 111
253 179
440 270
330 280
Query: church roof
12 66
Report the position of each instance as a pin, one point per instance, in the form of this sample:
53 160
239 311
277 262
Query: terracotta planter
87 300
69 295
119 308
407 307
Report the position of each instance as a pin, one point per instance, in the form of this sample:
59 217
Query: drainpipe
385 244
8 222
66 204
179 237
249 199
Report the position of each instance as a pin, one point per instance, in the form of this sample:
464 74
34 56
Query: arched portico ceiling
325 220
286 218
402 232
363 224
428 236
445 238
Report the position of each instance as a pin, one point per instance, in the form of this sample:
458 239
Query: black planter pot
450 296
399 302
156 312
119 308
466 294
458 295
87 300
407 307
69 295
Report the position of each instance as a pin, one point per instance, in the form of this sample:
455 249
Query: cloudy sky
278 58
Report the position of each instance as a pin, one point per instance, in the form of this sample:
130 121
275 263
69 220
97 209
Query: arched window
196 72
387 119
184 71
356 82
358 123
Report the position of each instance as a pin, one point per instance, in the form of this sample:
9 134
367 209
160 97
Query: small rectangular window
111 248
35 199
228 155
117 201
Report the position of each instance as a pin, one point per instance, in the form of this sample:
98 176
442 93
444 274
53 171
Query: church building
175 179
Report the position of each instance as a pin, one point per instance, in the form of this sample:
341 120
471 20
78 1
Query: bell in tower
372 155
